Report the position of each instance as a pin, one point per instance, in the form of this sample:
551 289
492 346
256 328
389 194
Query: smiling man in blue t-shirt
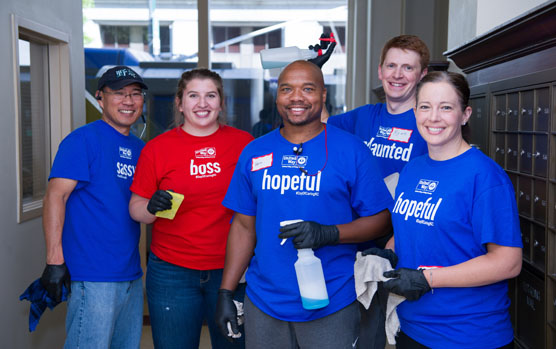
323 176
389 129
90 237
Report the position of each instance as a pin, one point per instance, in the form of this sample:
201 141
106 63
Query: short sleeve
145 178
495 218
369 192
73 159
343 121
240 197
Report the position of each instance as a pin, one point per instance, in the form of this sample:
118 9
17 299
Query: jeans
105 314
179 300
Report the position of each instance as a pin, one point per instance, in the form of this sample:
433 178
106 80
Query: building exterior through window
239 30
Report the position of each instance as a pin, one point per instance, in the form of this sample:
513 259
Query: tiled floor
147 338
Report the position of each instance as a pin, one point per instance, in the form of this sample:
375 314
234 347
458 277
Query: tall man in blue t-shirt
389 129
88 231
312 172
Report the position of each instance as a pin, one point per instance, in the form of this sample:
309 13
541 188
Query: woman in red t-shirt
196 159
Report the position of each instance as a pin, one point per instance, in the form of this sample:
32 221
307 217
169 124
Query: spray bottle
282 56
310 277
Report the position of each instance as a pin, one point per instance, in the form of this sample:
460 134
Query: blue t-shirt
444 214
392 138
268 184
100 240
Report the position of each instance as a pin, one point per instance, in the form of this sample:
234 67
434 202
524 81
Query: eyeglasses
119 96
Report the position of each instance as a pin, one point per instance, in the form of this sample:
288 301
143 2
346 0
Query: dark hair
460 85
201 74
458 82
408 42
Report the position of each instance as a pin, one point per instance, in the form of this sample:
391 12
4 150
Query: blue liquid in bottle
310 278
310 303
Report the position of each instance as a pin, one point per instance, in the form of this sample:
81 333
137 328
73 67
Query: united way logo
125 153
293 161
207 152
426 186
384 132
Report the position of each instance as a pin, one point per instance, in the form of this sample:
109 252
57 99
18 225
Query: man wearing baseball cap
91 241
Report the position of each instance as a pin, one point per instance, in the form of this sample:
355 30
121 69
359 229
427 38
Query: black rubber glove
388 254
226 312
410 283
52 279
160 201
320 60
309 234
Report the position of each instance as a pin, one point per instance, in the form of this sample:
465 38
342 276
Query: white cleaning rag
368 272
240 319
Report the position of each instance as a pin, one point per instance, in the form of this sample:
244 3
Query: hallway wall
22 253
471 18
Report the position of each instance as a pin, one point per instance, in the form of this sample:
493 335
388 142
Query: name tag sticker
261 162
400 135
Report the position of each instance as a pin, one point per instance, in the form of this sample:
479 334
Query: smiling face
121 114
301 94
400 72
200 105
439 116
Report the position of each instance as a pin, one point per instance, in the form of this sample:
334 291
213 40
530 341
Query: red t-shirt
200 168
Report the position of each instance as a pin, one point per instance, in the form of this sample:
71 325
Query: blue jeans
105 314
179 300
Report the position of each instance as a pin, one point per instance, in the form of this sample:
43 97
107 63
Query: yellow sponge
176 202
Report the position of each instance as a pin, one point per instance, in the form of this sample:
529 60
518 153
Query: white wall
492 13
462 22
22 252
471 18
185 37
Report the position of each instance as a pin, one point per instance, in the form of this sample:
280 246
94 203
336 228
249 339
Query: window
133 36
41 75
116 36
268 40
260 42
34 121
165 39
220 34
339 33
258 25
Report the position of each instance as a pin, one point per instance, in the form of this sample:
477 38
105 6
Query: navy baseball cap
119 77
